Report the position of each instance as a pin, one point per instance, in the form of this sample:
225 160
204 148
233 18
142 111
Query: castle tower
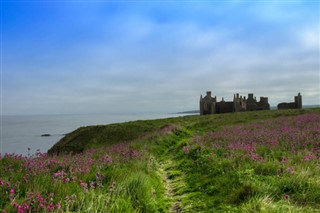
264 103
298 101
207 104
251 103
236 103
250 97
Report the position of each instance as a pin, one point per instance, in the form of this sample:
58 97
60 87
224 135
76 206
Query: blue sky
153 56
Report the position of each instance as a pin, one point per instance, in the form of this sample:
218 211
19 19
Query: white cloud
149 65
310 38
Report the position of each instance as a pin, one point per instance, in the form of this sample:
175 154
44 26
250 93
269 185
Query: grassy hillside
105 135
97 136
266 161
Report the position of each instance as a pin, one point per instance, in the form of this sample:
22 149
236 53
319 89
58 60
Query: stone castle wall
297 104
209 104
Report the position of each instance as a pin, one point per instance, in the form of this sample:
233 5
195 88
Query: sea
22 135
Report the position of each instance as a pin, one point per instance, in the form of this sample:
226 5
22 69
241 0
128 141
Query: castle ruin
209 104
297 104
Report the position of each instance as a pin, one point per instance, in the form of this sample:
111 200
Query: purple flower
58 205
284 160
290 170
186 149
50 207
308 157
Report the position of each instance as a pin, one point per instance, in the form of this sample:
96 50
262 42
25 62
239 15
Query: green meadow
262 161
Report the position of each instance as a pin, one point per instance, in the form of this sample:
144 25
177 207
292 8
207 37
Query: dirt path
172 179
171 186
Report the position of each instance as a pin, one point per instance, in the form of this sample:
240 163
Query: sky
75 57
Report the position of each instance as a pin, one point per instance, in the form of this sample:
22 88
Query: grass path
173 179
170 186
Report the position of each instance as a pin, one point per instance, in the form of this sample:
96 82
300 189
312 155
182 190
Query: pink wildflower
284 160
186 149
58 205
290 170
91 185
308 157
57 174
50 207
25 206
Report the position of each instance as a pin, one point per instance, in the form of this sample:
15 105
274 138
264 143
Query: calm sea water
18 133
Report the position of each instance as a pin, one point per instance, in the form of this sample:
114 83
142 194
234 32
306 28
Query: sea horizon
22 134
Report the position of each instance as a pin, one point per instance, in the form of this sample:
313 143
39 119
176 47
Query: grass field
266 161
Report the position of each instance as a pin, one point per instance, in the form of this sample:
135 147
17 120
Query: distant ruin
209 104
297 104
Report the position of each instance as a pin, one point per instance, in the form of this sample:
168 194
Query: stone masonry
297 104
209 104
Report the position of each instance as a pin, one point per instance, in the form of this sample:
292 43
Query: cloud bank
155 57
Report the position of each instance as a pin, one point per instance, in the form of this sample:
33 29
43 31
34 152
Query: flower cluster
299 135
80 172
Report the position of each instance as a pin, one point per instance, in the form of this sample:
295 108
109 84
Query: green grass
96 136
105 135
173 165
